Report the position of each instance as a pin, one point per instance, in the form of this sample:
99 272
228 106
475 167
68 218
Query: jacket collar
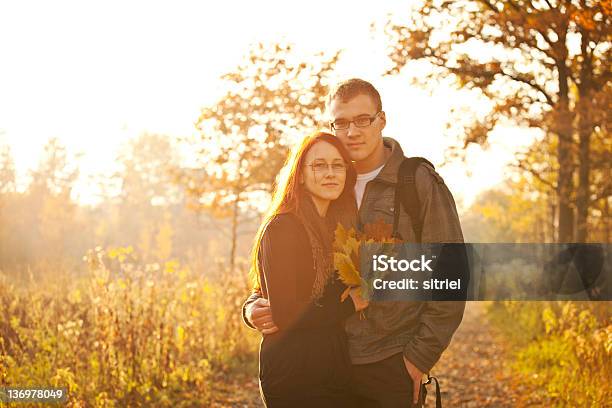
388 173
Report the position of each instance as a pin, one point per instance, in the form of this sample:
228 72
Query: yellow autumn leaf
75 296
340 236
351 245
351 249
180 337
347 271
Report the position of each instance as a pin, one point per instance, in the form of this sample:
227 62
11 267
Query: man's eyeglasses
319 167
360 122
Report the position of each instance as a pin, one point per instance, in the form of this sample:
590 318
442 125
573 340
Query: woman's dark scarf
320 232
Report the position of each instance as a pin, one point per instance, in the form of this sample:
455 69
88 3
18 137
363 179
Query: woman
306 362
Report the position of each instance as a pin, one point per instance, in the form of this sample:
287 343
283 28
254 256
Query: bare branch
489 75
490 5
521 165
531 83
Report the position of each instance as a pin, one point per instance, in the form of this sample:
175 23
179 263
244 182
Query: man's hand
259 314
417 377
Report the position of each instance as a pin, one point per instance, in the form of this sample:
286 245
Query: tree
507 214
48 209
55 174
272 98
7 170
537 170
7 193
540 63
146 174
147 190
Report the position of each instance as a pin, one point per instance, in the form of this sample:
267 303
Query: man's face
361 142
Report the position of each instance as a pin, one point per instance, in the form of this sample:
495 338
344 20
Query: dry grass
563 348
127 334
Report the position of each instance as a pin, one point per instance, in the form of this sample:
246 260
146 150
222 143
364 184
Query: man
399 341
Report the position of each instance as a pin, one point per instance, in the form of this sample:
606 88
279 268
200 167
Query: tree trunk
565 182
607 222
584 133
552 207
582 197
564 150
234 233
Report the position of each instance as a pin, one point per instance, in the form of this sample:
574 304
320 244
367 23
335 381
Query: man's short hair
347 90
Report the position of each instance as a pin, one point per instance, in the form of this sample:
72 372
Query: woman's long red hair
290 193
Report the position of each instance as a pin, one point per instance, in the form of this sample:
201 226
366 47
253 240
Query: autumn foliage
128 334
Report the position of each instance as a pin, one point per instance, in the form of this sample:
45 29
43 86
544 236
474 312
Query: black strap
438 393
423 392
406 195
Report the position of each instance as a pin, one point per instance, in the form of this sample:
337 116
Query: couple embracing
316 351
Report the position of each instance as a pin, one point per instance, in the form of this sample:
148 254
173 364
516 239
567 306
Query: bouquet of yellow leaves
347 247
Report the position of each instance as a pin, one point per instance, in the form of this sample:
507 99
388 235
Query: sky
95 74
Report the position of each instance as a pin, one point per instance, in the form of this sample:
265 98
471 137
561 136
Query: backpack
407 196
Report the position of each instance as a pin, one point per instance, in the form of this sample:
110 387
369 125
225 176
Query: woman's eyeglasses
319 167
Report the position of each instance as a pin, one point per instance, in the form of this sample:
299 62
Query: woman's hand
359 302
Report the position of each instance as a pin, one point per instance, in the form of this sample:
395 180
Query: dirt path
237 392
473 372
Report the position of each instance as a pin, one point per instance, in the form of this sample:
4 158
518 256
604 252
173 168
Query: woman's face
324 172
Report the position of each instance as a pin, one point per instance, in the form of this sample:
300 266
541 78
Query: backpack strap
406 195
423 392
